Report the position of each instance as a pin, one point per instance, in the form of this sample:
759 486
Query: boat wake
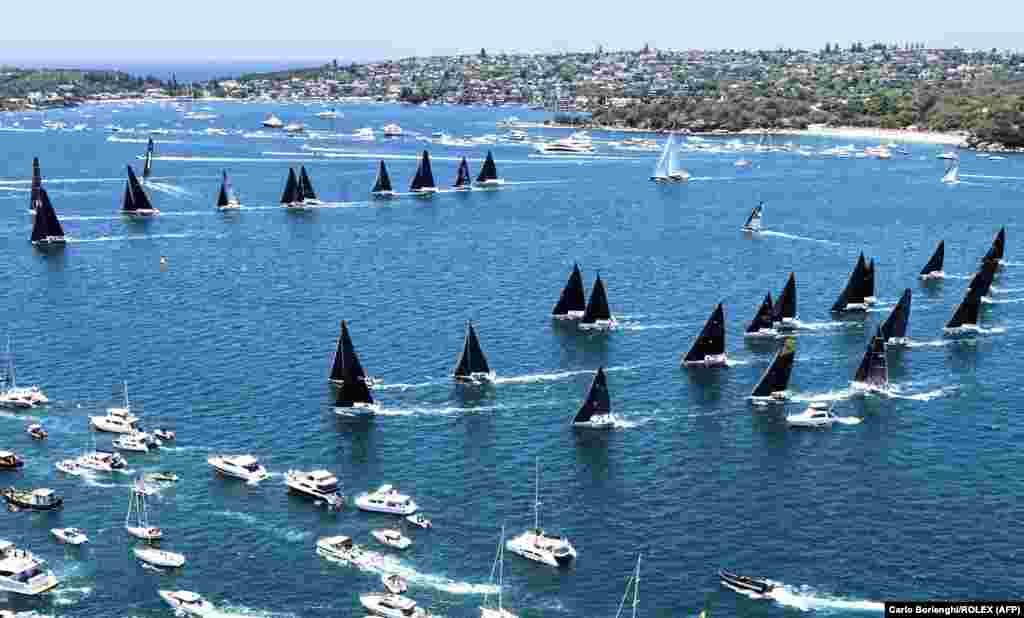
444 411
806 599
1006 290
240 611
849 420
939 393
169 189
635 326
139 140
128 237
553 377
66 596
795 237
838 395
935 343
1006 301
284 533
403 387
389 565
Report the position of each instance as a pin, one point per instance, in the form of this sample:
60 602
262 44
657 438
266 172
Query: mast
935 263
895 326
305 186
383 180
489 171
636 586
786 306
661 167
597 308
853 293
573 297
290 195
995 252
754 220
763 318
338 368
711 341
776 378
598 402
37 184
536 500
147 166
501 565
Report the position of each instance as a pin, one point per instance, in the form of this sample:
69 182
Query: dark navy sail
935 264
291 193
598 403
135 196
424 178
305 186
383 183
222 198
489 171
853 293
995 252
982 281
46 228
776 378
37 185
147 165
597 307
785 307
967 312
873 369
354 388
463 180
753 223
869 280
573 297
763 319
472 360
711 341
895 326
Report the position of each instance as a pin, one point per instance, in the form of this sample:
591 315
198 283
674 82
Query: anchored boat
42 499
136 520
23 573
536 544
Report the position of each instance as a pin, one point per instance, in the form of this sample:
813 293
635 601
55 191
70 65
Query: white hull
234 206
599 325
391 606
384 195
960 330
145 533
50 240
491 184
524 546
764 332
868 389
935 274
425 191
392 538
35 586
160 558
71 537
104 423
228 469
788 324
199 608
898 341
750 230
712 360
801 420
358 409
399 505
476 378
856 308
146 212
571 315
597 422
775 398
870 300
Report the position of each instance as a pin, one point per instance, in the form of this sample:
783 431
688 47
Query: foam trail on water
403 386
130 237
634 326
992 177
849 420
1006 290
837 395
166 188
1007 301
291 535
928 344
382 564
939 393
795 237
806 599
552 377
140 140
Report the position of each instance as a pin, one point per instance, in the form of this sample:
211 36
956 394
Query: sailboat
46 228
660 173
773 383
488 176
499 566
464 181
12 395
537 545
708 349
933 269
982 280
572 303
869 283
852 297
784 315
996 251
309 197
423 181
762 325
147 165
382 186
873 373
292 196
597 315
634 583
226 199
952 175
472 367
37 184
136 521
354 392
894 329
676 173
966 315
136 203
596 411
753 223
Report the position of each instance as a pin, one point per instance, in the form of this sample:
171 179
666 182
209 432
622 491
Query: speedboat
339 548
319 484
41 499
188 603
102 461
10 461
23 573
392 606
387 500
245 467
539 546
273 122
159 557
394 583
742 583
36 431
817 414
71 536
566 146
134 442
117 420
69 466
392 130
164 434
294 127
162 477
327 114
392 538
418 519
743 163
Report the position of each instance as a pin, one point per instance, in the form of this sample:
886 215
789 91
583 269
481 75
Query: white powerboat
387 500
394 583
392 130
566 146
165 435
69 466
539 546
273 122
71 536
392 538
159 557
117 419
135 442
188 603
294 127
327 114
419 520
364 135
36 431
817 414
102 461
22 573
318 484
392 606
245 467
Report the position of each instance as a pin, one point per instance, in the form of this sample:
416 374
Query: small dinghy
394 584
37 432
418 519
187 603
71 536
392 538
742 583
159 557
164 434
10 461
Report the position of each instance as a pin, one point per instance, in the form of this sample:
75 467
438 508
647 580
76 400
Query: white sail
953 172
661 168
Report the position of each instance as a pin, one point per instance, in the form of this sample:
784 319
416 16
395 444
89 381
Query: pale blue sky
290 32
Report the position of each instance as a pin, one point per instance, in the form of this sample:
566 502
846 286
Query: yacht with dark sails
772 386
226 199
933 269
354 391
147 163
966 315
708 349
309 197
869 284
873 373
597 315
46 228
753 223
894 329
996 251
382 186
488 176
784 313
982 280
136 203
572 304
423 181
596 411
762 325
298 191
37 185
472 367
852 297
464 181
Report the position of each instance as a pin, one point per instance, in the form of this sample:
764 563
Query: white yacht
328 114
318 484
136 520
71 536
817 414
294 127
159 557
392 538
392 130
565 146
101 461
244 467
273 122
539 546
188 603
394 583
14 396
392 606
137 442
387 500
117 419
22 573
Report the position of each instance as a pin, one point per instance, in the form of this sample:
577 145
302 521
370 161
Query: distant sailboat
676 173
382 187
46 228
966 315
753 223
894 329
784 316
423 181
869 284
226 199
773 383
852 297
952 175
147 165
572 303
136 521
472 366
464 181
873 373
136 203
488 176
708 349
597 315
634 583
596 411
933 269
762 325
37 185
660 173
354 392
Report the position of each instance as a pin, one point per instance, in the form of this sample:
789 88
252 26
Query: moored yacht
245 467
536 544
23 573
136 520
159 557
318 484
817 414
596 411
10 461
472 366
708 350
188 603
12 395
597 315
386 499
101 461
117 420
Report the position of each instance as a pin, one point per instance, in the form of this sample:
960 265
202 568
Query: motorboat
392 130
340 548
244 467
565 146
394 583
37 432
165 435
386 499
318 484
102 461
42 499
159 557
391 538
162 477
23 573
418 519
742 583
134 442
392 606
327 114
817 414
536 544
117 420
10 461
294 127
273 122
69 466
188 603
71 536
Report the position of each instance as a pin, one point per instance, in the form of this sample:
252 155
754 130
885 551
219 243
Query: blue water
230 345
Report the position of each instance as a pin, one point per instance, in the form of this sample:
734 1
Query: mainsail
424 178
934 265
869 280
472 360
463 179
305 186
291 193
763 319
785 307
995 252
952 175
349 372
754 220
711 341
853 293
895 326
776 378
597 307
873 369
147 166
46 227
661 167
489 171
981 283
37 185
598 402
573 297
967 312
383 183
673 157
135 197
224 198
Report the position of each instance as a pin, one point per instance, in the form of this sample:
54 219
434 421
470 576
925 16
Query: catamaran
597 315
464 181
136 203
46 228
933 269
753 223
382 186
784 311
147 164
12 395
966 315
873 374
773 383
762 325
708 349
37 184
572 304
488 176
852 297
498 611
596 411
952 175
894 329
537 545
354 393
136 521
423 181
472 367
227 199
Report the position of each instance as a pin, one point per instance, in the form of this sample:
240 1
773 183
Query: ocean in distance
231 344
